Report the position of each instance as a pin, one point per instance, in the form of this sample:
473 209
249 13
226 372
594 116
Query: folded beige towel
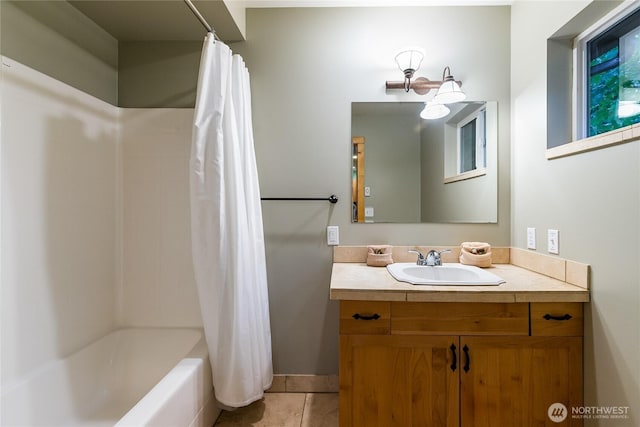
475 253
379 255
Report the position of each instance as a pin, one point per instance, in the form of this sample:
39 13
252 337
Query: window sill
467 175
614 137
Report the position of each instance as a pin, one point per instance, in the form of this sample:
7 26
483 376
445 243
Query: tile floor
285 410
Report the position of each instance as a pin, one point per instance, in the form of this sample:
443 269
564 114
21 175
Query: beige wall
392 165
153 74
307 66
56 39
593 199
432 157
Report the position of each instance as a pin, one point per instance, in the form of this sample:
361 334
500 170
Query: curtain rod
198 15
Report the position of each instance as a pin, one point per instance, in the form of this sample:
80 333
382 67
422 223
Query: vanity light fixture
434 110
409 60
449 91
448 88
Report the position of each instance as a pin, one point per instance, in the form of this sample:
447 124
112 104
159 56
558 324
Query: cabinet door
512 381
403 381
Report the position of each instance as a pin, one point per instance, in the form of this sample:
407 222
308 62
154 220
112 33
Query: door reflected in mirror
409 170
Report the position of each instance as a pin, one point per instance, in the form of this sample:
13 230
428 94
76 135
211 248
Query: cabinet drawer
557 319
420 318
365 317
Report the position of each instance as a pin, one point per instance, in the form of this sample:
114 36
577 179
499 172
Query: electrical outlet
553 242
531 238
367 191
333 235
368 211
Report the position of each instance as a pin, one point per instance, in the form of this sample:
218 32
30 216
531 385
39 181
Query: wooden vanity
469 356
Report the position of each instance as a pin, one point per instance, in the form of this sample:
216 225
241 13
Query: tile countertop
357 281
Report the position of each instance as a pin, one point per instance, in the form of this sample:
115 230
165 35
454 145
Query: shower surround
95 221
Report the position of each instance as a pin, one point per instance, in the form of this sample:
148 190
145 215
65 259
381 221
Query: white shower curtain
226 228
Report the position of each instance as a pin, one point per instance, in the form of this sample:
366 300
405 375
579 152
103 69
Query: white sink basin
445 274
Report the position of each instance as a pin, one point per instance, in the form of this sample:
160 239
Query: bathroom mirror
406 169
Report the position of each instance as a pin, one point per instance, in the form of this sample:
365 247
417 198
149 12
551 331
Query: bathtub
130 377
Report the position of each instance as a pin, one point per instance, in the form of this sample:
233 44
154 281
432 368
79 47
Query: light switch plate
531 238
367 191
333 235
553 243
368 212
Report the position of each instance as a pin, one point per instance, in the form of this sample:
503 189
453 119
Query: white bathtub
131 377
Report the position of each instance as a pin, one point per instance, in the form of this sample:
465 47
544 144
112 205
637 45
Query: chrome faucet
432 259
421 259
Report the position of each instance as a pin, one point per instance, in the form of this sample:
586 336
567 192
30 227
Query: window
472 142
610 74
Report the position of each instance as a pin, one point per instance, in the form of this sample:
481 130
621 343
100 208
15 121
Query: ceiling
144 20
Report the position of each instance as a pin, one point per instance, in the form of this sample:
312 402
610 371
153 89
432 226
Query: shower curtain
226 229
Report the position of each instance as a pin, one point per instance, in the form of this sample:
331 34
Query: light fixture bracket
420 85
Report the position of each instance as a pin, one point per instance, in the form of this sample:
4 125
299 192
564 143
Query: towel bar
332 199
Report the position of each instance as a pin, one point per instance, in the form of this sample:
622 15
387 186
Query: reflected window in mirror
466 141
472 142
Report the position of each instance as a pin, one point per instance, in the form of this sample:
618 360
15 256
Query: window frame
480 140
580 108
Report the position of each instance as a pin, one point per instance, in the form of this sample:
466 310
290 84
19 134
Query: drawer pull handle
374 316
454 363
467 360
550 317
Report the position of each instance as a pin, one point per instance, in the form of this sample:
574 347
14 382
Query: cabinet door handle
467 360
550 317
454 363
358 316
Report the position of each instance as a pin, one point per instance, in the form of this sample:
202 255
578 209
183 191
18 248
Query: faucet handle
420 256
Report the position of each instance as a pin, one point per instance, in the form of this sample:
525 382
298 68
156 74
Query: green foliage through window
614 77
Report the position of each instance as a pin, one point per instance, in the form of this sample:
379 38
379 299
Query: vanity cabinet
396 380
458 364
